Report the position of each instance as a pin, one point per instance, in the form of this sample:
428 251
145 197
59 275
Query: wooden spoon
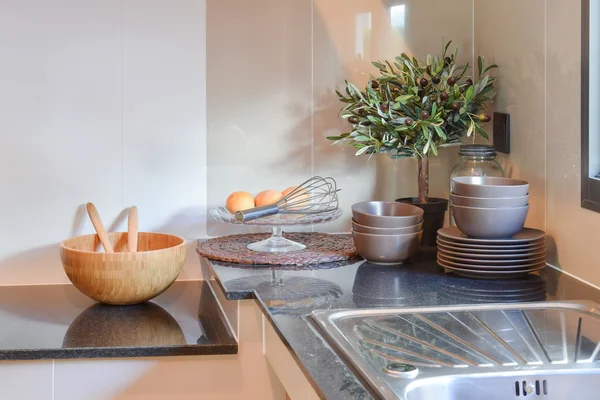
99 227
132 229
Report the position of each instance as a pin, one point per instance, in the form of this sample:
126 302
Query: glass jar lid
477 150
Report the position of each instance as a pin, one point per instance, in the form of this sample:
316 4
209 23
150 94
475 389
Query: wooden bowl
123 278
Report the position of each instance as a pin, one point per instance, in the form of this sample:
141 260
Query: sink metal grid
516 341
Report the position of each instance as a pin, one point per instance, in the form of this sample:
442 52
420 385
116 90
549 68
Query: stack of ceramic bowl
386 232
489 208
489 239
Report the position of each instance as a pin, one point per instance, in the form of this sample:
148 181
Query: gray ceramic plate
493 261
527 235
490 267
494 295
490 274
492 299
527 255
441 243
486 247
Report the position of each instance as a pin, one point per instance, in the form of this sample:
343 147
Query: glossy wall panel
515 41
259 97
538 50
346 40
267 128
164 114
59 118
102 101
31 380
574 230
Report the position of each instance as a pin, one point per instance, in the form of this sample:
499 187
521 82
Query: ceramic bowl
386 231
483 202
387 249
490 223
386 214
489 187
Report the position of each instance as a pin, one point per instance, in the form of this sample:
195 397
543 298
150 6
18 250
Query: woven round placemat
320 248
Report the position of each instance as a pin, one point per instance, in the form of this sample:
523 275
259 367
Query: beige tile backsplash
259 98
575 231
515 41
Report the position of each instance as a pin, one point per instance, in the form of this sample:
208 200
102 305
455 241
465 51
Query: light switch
502 132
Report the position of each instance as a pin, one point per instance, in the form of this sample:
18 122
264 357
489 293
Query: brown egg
300 197
288 190
267 197
238 201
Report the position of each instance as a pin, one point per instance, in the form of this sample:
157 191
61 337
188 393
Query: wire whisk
316 195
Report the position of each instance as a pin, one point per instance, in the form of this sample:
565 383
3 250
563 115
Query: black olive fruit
456 106
374 84
451 81
408 121
423 82
385 108
444 96
353 119
484 118
436 79
447 61
425 115
469 82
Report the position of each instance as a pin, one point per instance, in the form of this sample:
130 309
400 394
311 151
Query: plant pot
433 219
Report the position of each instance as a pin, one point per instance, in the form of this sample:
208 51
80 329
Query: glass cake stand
294 296
277 243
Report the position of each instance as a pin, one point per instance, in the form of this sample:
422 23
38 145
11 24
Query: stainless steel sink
547 350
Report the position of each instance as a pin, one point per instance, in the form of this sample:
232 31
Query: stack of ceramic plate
518 255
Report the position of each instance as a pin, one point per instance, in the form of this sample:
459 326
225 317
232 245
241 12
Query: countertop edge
118 352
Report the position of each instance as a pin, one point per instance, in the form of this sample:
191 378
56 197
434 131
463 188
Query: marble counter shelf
360 285
58 322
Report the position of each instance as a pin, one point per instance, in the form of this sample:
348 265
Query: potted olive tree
414 108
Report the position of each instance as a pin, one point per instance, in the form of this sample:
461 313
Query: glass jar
476 160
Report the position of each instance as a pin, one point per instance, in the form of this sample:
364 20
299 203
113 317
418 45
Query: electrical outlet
502 132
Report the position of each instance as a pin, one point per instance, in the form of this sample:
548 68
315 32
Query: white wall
102 101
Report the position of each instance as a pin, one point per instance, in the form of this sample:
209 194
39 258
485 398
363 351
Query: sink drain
401 370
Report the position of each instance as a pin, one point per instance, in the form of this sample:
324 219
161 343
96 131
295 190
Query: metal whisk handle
256 213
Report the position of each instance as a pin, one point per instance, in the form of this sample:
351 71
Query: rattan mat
320 248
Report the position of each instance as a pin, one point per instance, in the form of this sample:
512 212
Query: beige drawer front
285 366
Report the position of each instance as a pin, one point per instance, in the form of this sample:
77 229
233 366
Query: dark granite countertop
57 321
362 285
